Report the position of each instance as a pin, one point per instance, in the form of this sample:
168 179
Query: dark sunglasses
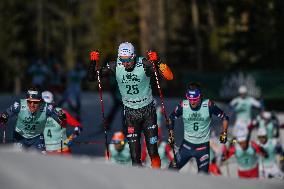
35 102
126 60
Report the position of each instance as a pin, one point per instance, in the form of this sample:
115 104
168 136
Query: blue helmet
193 95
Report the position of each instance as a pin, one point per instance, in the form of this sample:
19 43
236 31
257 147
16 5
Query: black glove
223 137
62 118
4 118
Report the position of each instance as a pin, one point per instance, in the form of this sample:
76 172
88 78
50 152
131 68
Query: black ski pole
163 105
94 60
4 134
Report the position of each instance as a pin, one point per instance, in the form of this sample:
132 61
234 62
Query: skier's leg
184 153
202 155
151 138
38 143
133 136
150 129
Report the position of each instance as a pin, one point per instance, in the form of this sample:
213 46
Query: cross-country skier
268 166
119 150
265 120
32 114
242 107
246 153
196 113
133 76
55 137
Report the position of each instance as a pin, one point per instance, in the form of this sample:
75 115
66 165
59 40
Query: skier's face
127 61
119 146
194 103
243 95
243 144
262 139
33 105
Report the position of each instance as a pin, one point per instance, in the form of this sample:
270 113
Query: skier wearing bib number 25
196 112
32 114
133 76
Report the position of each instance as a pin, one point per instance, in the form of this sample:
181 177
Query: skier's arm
71 120
11 111
258 149
257 104
58 116
163 69
228 152
104 71
175 114
215 110
276 125
278 149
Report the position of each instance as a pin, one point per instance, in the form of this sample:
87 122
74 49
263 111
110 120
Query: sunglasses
34 102
118 142
126 60
193 100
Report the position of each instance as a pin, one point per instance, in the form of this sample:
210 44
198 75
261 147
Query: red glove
153 56
94 56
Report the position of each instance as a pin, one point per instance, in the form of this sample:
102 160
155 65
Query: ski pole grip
94 56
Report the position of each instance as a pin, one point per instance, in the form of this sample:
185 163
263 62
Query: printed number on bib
30 127
49 133
132 89
195 126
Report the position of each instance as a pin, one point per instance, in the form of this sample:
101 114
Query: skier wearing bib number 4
133 76
196 112
55 138
32 114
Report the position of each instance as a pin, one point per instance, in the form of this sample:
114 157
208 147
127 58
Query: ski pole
88 142
162 103
61 140
94 59
4 134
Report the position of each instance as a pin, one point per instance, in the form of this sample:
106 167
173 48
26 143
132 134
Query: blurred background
219 43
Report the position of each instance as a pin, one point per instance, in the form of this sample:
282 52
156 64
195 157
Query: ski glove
171 139
61 116
94 56
70 139
153 56
78 130
4 118
223 137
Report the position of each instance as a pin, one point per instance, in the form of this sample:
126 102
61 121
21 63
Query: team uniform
269 168
196 131
55 134
139 108
247 159
243 110
30 126
119 152
268 125
120 157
